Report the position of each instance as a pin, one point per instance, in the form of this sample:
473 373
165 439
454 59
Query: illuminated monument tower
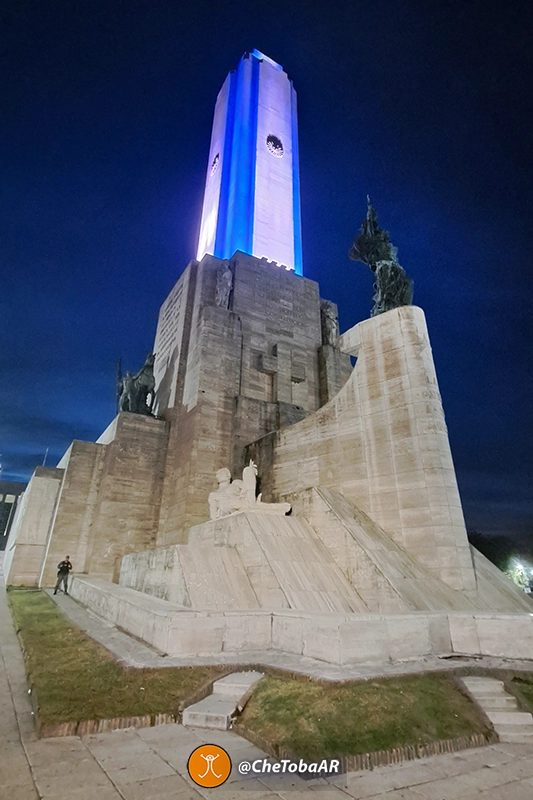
252 191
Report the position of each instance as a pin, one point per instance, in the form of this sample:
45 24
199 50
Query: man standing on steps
63 568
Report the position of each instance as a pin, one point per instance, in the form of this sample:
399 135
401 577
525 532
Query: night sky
105 127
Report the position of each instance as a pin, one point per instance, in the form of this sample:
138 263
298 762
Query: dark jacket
64 567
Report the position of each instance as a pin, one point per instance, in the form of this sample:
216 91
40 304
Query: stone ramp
246 561
217 709
387 578
285 561
215 578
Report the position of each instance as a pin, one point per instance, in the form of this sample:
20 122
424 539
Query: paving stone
143 769
70 791
514 750
168 787
56 781
455 787
510 791
520 768
317 793
121 738
252 790
480 757
170 733
13 772
367 784
21 792
398 794
279 782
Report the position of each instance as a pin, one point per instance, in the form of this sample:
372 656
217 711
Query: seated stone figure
239 495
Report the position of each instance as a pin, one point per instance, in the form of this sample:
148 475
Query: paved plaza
150 763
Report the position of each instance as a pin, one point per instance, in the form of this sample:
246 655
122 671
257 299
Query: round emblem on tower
274 145
214 165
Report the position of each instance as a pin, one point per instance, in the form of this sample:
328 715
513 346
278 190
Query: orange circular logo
209 765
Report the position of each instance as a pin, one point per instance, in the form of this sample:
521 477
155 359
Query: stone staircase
501 708
216 710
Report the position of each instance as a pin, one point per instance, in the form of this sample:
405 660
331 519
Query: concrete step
511 737
211 712
238 683
511 725
511 728
509 718
498 691
475 684
497 703
216 710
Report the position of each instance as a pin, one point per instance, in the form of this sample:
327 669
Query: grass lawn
524 687
75 678
315 721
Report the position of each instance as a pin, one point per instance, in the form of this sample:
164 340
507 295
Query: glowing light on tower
252 188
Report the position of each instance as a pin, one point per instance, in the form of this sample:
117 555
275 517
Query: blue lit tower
252 188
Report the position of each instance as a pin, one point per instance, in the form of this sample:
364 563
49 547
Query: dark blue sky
105 127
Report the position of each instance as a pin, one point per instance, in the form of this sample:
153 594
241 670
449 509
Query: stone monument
373 562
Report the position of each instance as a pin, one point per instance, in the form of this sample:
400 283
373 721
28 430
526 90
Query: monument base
331 585
335 638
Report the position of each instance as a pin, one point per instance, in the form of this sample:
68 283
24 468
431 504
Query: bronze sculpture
393 288
137 392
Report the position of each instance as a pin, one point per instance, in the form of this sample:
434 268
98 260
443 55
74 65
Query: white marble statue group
233 496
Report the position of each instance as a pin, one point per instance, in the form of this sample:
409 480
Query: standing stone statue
330 322
137 392
373 247
249 483
233 496
224 287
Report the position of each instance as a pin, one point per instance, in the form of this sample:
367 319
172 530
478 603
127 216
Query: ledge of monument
350 341
138 420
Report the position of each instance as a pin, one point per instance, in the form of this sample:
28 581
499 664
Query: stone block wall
101 503
29 533
128 494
